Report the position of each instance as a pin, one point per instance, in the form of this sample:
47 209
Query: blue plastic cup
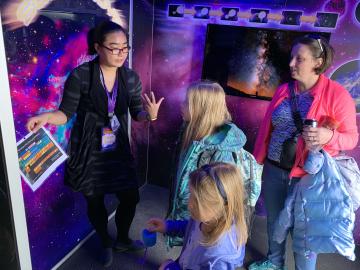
149 238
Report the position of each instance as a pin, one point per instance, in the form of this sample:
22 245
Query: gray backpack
249 168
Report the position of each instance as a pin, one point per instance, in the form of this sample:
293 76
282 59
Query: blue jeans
277 186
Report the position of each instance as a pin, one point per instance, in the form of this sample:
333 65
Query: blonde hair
207 111
208 198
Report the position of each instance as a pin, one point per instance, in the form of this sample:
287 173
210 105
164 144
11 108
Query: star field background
41 56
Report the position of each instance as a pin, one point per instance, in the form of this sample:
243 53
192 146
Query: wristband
148 117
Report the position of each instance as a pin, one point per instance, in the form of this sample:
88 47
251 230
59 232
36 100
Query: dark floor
154 201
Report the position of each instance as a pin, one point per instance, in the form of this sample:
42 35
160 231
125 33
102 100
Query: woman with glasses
310 96
101 92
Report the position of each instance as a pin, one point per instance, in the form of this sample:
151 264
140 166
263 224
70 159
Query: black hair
98 34
320 48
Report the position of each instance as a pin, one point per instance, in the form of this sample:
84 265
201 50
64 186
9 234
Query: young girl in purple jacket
216 233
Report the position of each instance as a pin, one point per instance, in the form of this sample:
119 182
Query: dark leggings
125 213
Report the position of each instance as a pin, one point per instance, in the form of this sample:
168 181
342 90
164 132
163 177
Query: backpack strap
208 159
294 109
235 157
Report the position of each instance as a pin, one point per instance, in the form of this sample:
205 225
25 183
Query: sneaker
107 257
265 265
136 245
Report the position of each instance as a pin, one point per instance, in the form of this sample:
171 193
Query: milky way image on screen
248 61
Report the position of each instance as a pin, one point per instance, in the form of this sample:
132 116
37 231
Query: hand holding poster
39 156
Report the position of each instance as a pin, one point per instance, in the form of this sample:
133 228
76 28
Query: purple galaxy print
40 58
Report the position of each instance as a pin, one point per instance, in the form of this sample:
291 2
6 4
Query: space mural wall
41 54
179 48
43 43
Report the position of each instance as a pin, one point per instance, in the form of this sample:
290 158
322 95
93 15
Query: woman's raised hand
151 106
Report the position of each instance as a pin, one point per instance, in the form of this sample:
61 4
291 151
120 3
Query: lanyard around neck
111 98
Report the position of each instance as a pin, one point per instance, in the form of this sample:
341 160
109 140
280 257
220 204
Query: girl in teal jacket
209 137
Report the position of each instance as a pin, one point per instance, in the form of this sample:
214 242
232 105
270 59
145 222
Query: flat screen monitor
248 61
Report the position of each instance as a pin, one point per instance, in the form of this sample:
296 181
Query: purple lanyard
111 98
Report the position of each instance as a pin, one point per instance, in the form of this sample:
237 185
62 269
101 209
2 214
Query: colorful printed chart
39 156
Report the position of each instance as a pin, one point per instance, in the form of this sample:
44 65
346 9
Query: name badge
108 139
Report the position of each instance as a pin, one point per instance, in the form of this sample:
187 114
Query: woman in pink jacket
315 97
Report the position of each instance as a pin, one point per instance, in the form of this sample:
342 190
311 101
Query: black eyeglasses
208 170
117 51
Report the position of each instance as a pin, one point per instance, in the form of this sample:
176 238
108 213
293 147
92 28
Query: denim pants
277 186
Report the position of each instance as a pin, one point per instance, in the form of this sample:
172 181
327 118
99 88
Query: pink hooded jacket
330 100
